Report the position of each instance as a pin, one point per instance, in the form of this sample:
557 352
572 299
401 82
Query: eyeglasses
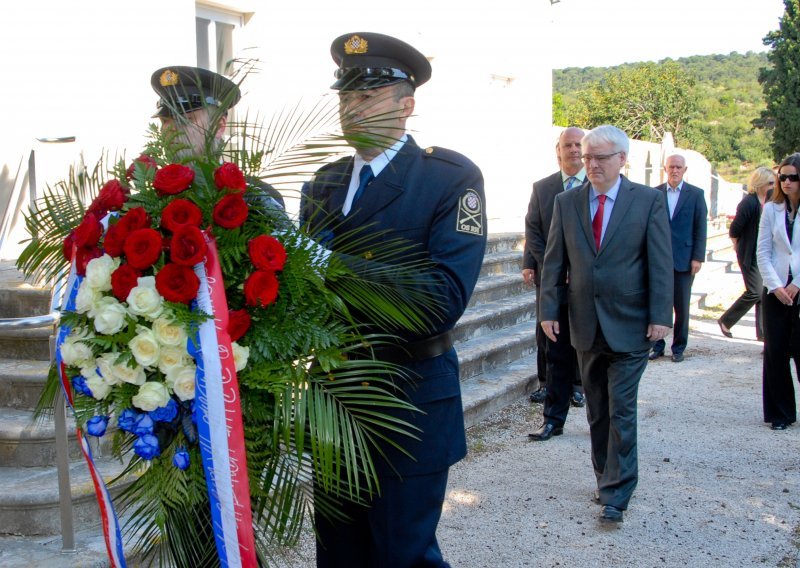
599 158
790 177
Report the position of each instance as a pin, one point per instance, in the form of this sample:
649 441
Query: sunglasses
790 177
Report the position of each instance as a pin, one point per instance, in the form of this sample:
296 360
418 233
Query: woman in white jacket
778 256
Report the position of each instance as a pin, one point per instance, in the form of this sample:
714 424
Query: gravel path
717 487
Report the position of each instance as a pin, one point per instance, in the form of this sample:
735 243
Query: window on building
216 37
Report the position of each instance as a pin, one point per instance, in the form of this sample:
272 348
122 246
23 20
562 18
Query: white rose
144 347
98 272
86 298
133 375
98 386
181 380
151 395
75 353
168 332
240 355
109 316
144 300
105 366
172 357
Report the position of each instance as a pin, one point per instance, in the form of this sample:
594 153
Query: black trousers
680 330
754 287
542 365
781 344
562 370
611 382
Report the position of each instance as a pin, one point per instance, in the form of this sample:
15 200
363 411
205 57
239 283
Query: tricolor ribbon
109 519
219 421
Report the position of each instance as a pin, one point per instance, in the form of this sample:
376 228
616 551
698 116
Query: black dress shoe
728 333
538 395
778 426
546 432
610 514
655 355
577 399
677 357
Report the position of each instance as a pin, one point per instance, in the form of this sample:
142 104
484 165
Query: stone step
26 343
504 242
28 442
496 287
23 300
488 392
29 501
21 382
487 318
506 262
502 347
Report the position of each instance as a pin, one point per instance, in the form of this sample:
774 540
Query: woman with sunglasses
744 235
778 255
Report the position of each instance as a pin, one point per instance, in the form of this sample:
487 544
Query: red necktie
597 222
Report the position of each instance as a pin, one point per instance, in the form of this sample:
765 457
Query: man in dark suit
609 252
687 211
434 199
561 360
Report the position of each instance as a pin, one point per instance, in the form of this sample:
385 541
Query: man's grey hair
607 133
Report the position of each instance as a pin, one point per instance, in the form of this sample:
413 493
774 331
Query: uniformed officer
434 199
194 102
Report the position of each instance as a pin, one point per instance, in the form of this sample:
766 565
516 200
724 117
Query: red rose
173 179
87 234
238 323
267 253
69 244
112 197
143 159
181 212
229 176
114 241
177 283
231 211
82 257
143 248
261 288
123 280
136 218
188 246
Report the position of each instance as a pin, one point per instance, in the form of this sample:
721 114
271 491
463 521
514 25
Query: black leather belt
415 350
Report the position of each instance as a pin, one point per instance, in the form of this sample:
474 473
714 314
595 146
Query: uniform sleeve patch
470 213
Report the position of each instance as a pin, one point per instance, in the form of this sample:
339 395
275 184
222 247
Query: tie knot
365 175
601 198
570 182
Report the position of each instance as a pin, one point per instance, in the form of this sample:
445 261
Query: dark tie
597 222
364 177
570 182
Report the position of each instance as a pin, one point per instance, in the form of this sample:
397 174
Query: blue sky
609 32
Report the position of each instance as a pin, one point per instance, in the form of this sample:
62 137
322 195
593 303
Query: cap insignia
168 78
356 45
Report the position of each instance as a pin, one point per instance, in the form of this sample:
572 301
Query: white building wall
82 68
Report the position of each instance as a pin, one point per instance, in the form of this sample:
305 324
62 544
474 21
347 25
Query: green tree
559 110
781 83
645 100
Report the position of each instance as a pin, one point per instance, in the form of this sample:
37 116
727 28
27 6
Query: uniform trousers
611 383
396 530
781 344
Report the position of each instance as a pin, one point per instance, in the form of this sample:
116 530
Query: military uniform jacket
433 199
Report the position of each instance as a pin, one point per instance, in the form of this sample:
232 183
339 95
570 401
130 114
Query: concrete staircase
495 341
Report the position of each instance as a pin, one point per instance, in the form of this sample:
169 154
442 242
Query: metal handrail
31 322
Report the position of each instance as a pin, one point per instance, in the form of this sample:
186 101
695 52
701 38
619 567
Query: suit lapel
683 196
585 213
338 191
621 205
